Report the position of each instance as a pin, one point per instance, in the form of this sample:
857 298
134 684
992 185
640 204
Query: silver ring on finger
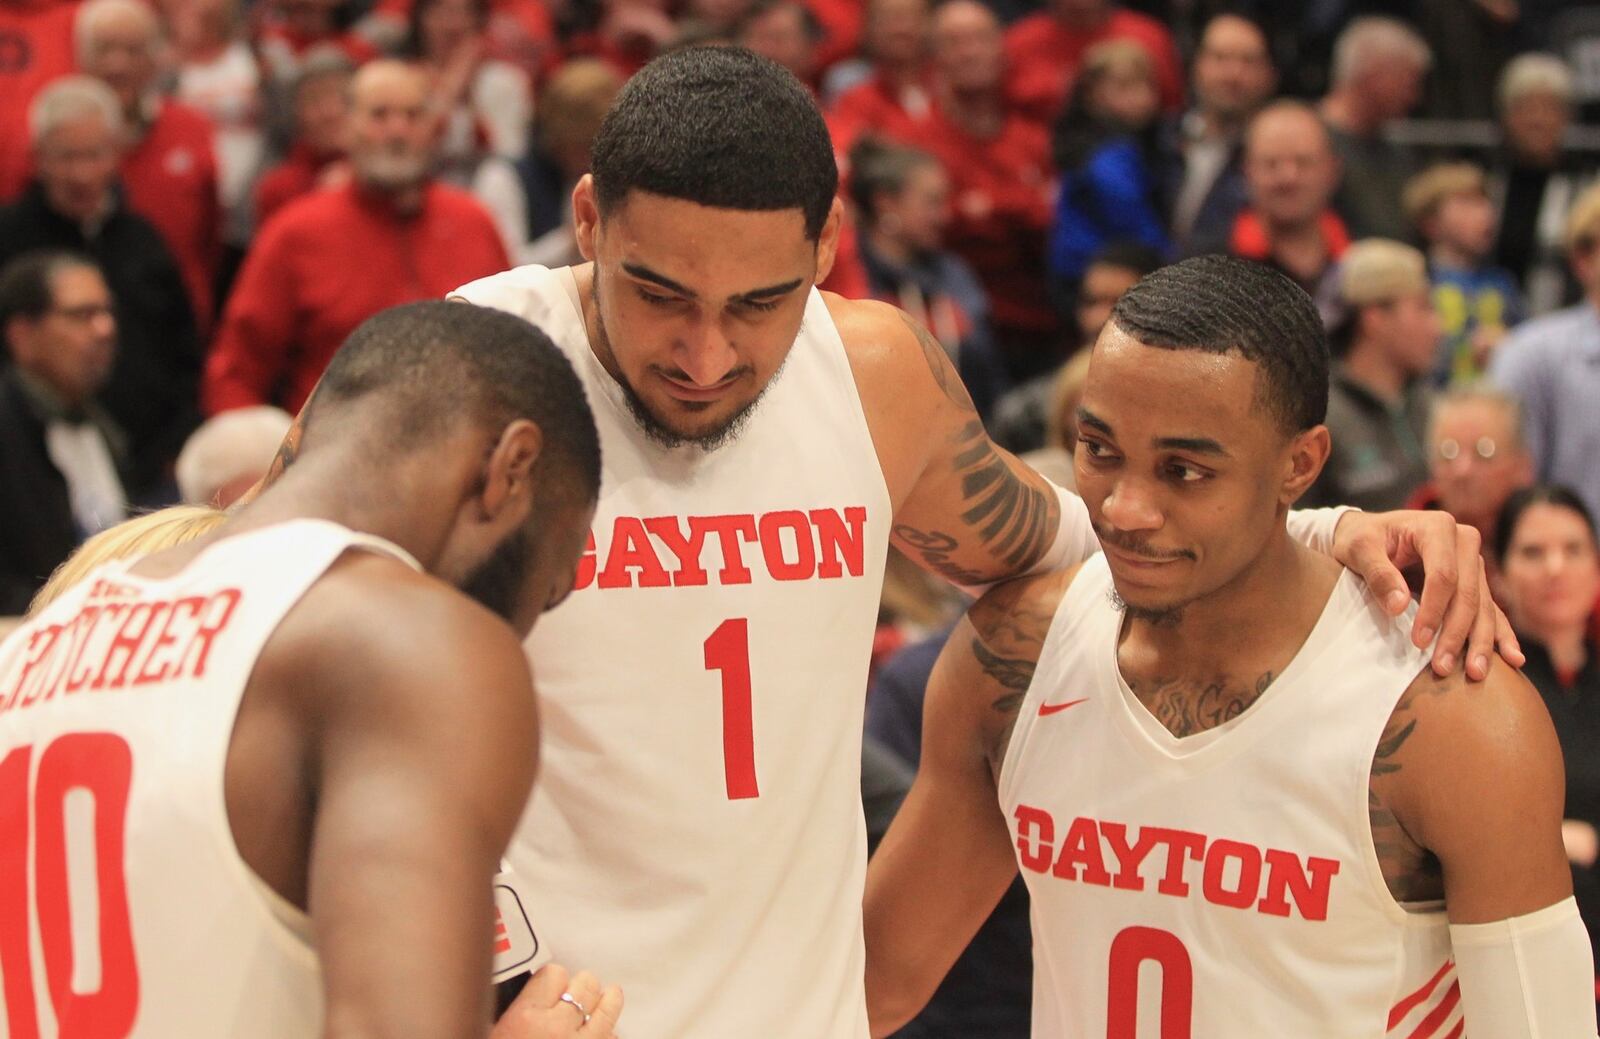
567 998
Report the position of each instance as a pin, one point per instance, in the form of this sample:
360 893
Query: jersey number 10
100 765
728 651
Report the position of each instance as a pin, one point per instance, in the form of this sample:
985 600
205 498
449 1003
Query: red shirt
298 174
879 107
1042 58
35 47
170 177
1001 197
326 263
842 22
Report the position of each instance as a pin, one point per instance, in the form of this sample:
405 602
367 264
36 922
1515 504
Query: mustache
1139 546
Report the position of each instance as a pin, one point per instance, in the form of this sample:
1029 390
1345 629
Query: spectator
998 162
37 49
169 167
628 33
1022 419
1044 52
293 31
58 471
321 110
1290 175
531 200
1378 397
1552 364
218 75
1105 150
1378 65
330 260
77 129
785 31
1548 559
1203 179
1535 179
902 199
482 105
895 97
229 454
1449 204
1476 458
1054 459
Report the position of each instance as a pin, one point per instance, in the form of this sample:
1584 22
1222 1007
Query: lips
696 394
1137 561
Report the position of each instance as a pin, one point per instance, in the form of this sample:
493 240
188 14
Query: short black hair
722 127
25 289
441 361
1218 304
1521 501
1128 255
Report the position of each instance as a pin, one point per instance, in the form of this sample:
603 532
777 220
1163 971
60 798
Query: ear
585 215
508 477
828 240
1304 458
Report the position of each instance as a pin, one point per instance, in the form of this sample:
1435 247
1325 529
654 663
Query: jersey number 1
91 1002
728 651
1129 949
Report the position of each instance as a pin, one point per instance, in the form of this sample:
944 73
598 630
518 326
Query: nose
706 354
105 326
1129 507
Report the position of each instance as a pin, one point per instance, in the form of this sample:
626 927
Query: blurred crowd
199 199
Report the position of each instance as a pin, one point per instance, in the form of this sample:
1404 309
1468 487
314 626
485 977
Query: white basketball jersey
125 908
696 832
1224 884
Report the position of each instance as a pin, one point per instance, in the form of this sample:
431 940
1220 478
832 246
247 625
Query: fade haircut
720 127
438 362
1220 305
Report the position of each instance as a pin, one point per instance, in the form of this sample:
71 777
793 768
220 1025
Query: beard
498 581
392 170
653 427
1155 616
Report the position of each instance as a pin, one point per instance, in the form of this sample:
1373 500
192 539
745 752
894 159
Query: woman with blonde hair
139 536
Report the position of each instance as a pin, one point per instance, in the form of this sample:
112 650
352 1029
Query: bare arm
947 858
423 756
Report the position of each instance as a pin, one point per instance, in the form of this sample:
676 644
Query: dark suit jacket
153 392
37 530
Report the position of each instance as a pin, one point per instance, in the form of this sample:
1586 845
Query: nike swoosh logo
1052 708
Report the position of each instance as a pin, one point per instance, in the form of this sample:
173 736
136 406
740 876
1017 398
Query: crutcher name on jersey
116 643
1181 863
671 551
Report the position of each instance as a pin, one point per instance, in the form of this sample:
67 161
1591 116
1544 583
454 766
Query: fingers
1506 640
1481 642
545 987
1441 555
585 988
1368 555
603 1016
1461 613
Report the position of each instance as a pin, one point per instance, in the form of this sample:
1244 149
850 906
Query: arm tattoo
1010 623
1013 520
1185 708
944 373
1412 872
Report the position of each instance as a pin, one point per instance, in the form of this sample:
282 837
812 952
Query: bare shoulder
994 652
891 352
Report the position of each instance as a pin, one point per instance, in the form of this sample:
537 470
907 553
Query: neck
1444 254
1370 365
405 201
1244 626
1567 648
980 113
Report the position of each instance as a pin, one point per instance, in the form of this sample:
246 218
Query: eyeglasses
1485 449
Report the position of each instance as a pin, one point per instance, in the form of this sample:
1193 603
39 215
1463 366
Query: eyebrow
644 273
1197 445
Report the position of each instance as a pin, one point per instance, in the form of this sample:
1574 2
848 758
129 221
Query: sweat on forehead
1219 305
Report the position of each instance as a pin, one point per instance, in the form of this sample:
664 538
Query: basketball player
697 829
257 785
1243 803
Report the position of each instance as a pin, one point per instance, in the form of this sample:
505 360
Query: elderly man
1378 65
1233 77
1552 364
169 169
1378 401
58 467
332 259
1290 175
77 130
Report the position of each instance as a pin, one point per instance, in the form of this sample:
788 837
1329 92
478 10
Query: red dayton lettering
670 551
1232 873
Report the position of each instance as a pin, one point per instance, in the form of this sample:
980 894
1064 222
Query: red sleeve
251 351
